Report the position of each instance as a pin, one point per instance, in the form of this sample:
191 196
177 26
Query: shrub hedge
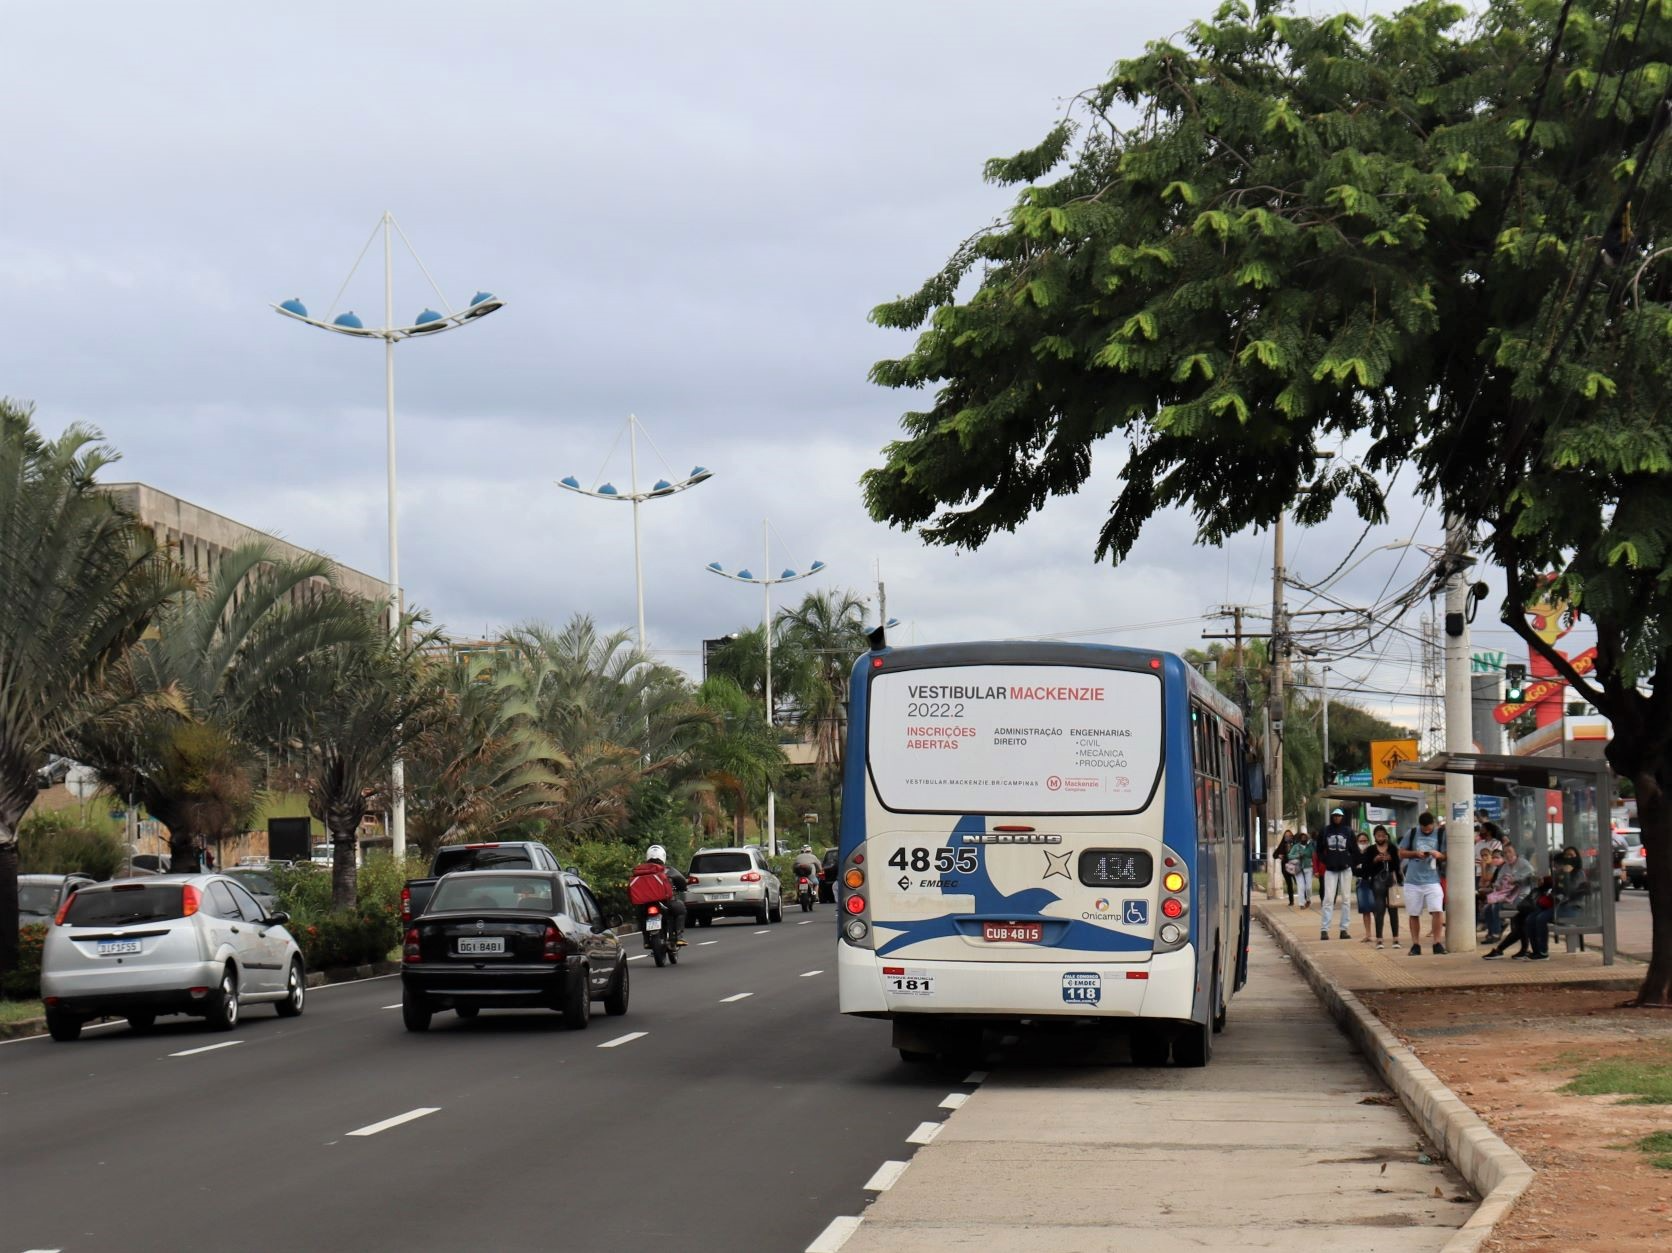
24 983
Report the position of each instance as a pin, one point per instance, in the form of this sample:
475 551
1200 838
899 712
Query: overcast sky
689 210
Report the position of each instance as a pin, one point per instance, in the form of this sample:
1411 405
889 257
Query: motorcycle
806 892
660 941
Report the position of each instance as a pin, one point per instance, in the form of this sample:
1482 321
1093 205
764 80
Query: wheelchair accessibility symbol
1135 913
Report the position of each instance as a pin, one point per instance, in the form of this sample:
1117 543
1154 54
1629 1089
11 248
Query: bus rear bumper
1164 987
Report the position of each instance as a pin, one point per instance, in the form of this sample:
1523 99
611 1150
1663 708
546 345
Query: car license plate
721 896
652 924
115 948
1026 932
476 946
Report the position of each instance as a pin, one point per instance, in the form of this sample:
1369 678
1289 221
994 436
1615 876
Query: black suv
827 876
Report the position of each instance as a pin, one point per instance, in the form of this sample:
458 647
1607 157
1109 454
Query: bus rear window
124 904
1015 739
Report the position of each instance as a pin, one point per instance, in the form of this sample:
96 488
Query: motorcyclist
656 855
806 866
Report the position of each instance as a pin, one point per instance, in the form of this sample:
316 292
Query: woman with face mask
1378 870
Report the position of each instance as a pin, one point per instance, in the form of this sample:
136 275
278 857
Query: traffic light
1515 682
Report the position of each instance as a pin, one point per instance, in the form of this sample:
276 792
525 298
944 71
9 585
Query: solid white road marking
638 957
976 1076
926 1131
811 973
888 1174
396 1121
727 1000
954 1100
804 922
706 943
833 1237
624 1039
396 1005
207 1048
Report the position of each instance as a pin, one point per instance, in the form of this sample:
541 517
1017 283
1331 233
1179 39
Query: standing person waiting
1286 863
1423 850
1337 848
1379 866
1300 852
1363 868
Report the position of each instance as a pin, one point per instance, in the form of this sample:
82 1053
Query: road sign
1539 689
1385 755
82 782
1358 778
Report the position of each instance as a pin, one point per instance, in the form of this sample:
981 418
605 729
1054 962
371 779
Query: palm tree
827 629
738 758
79 583
225 650
358 703
480 766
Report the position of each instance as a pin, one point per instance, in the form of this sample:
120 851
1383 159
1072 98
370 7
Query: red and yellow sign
1539 689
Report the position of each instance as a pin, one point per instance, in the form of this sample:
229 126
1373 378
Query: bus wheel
1193 1046
916 1057
1150 1046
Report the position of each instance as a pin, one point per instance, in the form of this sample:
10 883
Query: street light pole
638 550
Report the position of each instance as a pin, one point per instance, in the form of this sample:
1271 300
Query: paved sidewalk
1270 1147
1360 967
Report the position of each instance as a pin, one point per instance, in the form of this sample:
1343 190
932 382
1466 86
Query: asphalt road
734 1122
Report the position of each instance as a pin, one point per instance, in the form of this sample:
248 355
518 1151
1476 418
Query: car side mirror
276 920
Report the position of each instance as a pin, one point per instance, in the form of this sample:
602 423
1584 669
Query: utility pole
1460 851
1276 661
1326 724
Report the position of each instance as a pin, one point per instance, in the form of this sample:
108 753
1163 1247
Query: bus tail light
856 909
1174 903
1173 881
854 878
854 904
1173 907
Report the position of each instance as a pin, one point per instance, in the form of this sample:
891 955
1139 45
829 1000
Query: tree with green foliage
740 759
80 582
827 629
1433 237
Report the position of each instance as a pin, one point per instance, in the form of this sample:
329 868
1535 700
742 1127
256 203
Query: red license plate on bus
1026 932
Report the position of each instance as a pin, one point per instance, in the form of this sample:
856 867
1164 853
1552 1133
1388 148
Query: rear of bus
1015 842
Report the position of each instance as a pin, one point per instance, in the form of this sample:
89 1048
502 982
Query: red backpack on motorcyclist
652 883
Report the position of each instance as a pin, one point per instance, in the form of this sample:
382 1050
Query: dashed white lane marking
762 932
954 1100
43 1251
888 1174
833 1237
706 943
624 1039
638 957
811 973
396 1005
976 1076
396 1121
207 1048
727 1000
804 922
926 1131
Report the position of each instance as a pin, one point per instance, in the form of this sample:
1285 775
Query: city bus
1038 830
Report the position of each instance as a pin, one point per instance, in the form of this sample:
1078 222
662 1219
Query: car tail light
50 1000
58 919
406 904
854 878
554 944
410 952
690 880
1172 907
495 845
751 876
854 904
190 898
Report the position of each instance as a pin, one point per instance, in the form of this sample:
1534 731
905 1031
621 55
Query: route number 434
943 860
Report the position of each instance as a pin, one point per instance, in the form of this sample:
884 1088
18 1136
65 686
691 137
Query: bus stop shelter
1550 804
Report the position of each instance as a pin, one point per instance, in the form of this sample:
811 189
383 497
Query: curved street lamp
766 584
662 487
428 322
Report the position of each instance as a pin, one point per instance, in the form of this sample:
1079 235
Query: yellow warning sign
1384 756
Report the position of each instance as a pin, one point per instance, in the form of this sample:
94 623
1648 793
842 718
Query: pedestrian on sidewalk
1379 866
1516 886
1423 851
1300 852
1287 864
1337 848
1362 870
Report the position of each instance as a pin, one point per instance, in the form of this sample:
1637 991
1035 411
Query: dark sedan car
827 875
511 939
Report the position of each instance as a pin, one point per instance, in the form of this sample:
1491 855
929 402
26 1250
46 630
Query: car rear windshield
499 892
720 863
450 859
254 880
124 903
37 898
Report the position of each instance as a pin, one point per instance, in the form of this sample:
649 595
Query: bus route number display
1015 739
1115 868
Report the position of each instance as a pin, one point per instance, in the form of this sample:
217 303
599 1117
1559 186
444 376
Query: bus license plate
1026 932
476 947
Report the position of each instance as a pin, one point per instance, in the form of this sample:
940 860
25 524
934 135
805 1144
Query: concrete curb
1493 1169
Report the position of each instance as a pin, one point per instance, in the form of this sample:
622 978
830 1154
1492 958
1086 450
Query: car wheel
778 910
705 921
763 915
577 1002
415 1011
615 1004
295 993
139 1024
467 1012
223 1009
64 1027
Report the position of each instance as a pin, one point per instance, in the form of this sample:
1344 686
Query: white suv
733 881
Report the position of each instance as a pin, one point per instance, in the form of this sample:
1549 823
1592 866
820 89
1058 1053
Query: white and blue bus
1042 829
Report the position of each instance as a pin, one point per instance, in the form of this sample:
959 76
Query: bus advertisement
1035 830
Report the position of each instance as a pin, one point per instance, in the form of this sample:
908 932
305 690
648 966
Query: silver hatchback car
167 944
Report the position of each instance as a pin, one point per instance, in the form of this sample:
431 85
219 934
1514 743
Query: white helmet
806 848
656 853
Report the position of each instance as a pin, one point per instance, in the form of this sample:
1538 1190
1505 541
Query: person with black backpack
1423 853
